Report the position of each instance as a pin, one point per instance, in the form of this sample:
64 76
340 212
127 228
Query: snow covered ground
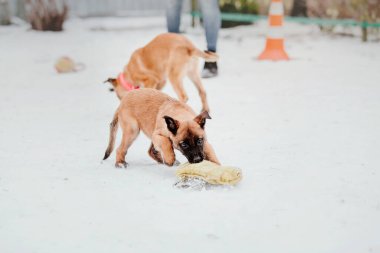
305 133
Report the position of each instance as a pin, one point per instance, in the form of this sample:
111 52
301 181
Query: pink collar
126 85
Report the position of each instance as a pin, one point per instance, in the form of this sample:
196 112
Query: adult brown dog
168 56
168 122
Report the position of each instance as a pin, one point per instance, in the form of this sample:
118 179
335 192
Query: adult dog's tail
113 130
207 55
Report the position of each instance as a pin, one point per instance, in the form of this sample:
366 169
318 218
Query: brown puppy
168 56
168 122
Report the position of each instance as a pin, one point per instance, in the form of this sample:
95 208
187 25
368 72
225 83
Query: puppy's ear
201 118
172 124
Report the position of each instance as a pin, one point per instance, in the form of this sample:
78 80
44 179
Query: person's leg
173 15
211 22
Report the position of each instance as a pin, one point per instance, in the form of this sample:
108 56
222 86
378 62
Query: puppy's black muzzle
196 159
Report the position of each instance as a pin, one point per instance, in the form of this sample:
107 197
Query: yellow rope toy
210 172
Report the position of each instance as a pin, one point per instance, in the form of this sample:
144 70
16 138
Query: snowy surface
304 132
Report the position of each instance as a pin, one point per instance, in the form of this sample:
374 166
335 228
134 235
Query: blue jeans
210 14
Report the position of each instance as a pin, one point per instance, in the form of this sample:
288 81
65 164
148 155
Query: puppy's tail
207 55
113 130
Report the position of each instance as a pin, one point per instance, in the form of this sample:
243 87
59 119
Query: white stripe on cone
276 8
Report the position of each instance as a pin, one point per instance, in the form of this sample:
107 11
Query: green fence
302 20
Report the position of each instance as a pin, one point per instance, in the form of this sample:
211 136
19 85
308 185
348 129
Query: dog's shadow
153 169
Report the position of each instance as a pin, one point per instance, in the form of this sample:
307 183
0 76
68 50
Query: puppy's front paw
122 164
170 163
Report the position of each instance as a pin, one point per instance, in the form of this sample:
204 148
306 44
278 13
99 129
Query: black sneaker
210 70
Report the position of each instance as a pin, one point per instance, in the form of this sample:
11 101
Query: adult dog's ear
172 124
112 81
201 118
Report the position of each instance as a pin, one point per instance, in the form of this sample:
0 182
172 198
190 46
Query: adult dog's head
189 136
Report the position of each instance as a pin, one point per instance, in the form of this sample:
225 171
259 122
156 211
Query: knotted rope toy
200 175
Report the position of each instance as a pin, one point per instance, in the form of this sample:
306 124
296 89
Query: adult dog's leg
196 79
176 77
150 81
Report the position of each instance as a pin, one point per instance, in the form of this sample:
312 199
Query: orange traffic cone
274 48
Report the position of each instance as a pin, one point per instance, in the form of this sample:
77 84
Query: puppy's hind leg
196 79
130 132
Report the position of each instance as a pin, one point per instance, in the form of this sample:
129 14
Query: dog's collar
126 85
